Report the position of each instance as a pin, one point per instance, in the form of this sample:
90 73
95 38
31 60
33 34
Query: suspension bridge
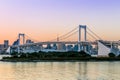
87 40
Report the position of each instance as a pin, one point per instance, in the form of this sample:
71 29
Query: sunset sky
45 19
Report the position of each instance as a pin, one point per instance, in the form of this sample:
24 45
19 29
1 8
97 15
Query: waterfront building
104 48
6 43
61 47
48 46
4 47
54 47
75 48
69 47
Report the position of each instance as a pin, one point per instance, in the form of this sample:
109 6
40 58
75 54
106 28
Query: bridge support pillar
80 35
23 36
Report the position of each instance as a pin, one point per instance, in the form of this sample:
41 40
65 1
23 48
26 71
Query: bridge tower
23 37
19 39
80 35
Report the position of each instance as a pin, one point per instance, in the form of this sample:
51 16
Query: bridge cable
94 33
68 35
91 35
31 38
65 35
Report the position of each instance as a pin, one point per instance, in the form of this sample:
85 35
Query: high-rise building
6 43
1 48
4 47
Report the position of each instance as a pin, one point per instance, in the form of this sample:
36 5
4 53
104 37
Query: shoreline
61 60
58 57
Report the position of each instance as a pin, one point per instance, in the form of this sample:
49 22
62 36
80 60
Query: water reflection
82 71
59 71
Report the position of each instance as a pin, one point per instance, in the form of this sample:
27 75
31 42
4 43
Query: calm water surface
59 70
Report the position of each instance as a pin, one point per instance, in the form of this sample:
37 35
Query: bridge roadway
55 42
67 42
112 42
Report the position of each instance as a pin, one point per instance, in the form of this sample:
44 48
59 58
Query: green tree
111 55
118 56
14 54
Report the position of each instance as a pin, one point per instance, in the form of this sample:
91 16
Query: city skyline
45 19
